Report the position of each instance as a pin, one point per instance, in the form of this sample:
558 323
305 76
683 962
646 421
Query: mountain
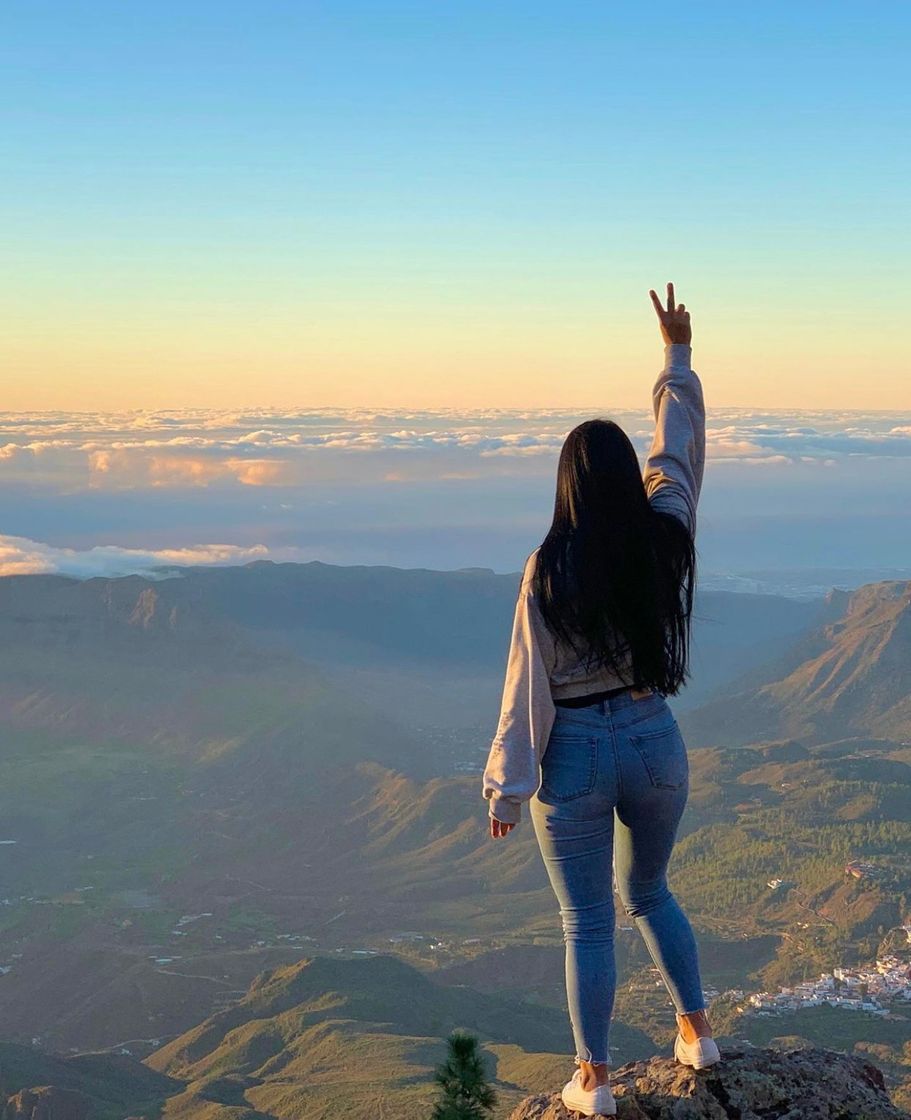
34 1084
207 775
851 675
323 1038
379 862
328 1037
424 648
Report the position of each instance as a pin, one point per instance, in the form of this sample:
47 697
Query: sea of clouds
84 494
261 447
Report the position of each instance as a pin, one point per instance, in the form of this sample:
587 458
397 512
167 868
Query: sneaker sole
576 1110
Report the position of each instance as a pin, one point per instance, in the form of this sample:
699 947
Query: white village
870 988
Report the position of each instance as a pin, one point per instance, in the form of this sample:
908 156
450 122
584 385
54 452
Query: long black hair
614 578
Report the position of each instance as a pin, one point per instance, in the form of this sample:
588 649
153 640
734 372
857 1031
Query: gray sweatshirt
540 669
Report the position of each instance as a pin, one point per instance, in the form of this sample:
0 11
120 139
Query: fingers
657 303
499 828
671 310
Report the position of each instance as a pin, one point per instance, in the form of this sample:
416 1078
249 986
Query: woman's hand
500 828
675 320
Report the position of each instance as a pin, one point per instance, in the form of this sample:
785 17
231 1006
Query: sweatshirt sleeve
512 774
674 467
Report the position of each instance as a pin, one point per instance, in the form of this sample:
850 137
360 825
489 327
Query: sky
369 205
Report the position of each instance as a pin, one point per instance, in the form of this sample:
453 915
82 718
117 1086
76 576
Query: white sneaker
590 1102
699 1054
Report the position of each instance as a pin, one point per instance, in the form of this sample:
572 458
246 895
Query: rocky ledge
748 1084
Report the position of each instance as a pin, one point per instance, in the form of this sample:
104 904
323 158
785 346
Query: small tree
464 1092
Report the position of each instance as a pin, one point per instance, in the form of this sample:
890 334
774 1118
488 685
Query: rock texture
748 1084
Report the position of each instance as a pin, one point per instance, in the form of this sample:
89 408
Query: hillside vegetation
216 776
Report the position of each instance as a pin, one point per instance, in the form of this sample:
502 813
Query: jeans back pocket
569 766
663 753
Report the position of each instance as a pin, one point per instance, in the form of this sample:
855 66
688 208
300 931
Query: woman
600 638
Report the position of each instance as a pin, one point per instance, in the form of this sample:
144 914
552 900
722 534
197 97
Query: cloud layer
21 556
134 492
260 448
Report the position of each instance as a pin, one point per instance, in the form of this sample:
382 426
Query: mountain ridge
851 673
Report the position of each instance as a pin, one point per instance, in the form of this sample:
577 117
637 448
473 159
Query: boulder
749 1083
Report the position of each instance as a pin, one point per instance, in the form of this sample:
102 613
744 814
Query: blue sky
239 226
450 204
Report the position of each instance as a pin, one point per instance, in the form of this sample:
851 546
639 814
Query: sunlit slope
851 675
323 1036
799 814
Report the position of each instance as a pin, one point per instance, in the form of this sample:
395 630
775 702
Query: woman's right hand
500 828
674 319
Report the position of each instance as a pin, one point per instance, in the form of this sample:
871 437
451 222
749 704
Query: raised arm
676 460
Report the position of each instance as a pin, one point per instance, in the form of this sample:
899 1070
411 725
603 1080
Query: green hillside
323 1037
190 802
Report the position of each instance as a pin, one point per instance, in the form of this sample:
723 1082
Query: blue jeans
614 783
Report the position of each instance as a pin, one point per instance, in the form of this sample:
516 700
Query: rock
47 1102
748 1084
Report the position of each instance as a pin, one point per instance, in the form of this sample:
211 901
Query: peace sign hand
675 321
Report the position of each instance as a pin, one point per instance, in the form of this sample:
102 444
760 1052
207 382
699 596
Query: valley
207 781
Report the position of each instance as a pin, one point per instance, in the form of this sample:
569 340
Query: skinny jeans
614 784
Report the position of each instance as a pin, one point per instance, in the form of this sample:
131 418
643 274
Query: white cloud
261 447
20 556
